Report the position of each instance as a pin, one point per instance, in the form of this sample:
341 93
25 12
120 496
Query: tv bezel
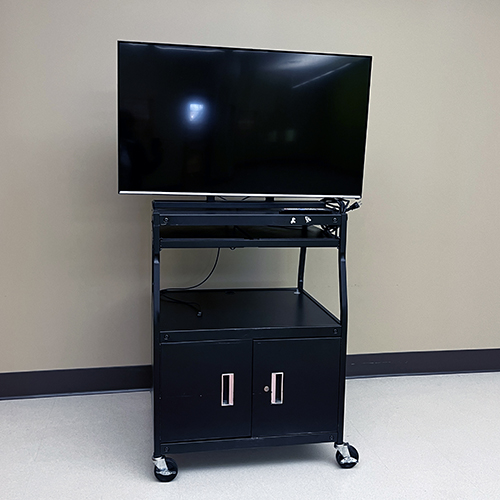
249 195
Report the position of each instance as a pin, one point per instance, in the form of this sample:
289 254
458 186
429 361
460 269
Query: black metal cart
246 368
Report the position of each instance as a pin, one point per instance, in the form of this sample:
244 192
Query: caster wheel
346 464
172 471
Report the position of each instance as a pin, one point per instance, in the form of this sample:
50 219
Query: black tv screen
227 121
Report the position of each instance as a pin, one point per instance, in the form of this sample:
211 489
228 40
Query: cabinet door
295 386
205 390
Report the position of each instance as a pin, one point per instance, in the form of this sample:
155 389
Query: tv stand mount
260 367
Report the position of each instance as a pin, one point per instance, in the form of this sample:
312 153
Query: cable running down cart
193 305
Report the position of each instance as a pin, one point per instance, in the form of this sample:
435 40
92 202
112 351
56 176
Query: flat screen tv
197 120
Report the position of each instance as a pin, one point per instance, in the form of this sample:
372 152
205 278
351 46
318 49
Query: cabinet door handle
277 388
227 389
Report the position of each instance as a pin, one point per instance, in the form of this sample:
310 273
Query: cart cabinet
247 367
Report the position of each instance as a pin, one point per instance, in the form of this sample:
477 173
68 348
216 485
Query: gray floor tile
418 437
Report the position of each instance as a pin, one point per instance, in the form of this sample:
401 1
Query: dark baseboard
423 363
136 378
77 381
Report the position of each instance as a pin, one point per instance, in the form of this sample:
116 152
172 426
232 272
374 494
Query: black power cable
340 205
193 305
354 206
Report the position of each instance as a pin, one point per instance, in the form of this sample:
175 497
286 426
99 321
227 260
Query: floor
420 437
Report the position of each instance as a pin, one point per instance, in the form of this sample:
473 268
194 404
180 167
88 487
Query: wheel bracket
161 466
343 449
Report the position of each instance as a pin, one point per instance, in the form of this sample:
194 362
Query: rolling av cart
244 368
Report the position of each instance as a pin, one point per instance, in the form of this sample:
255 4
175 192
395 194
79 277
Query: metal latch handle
277 379
227 389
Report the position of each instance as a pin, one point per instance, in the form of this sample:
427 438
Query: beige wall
423 252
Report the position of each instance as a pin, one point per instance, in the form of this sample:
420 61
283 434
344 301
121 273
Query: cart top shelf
244 236
246 224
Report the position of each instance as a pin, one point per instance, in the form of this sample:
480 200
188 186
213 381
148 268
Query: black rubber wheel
172 467
354 454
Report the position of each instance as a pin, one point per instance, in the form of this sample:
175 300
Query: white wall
423 251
